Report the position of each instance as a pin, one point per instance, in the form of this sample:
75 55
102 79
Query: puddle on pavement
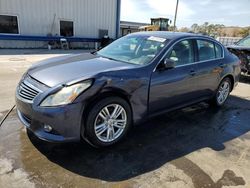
202 179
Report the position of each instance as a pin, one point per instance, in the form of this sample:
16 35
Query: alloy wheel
110 122
223 92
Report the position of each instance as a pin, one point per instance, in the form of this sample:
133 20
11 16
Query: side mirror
169 64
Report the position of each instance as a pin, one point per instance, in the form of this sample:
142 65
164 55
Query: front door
174 87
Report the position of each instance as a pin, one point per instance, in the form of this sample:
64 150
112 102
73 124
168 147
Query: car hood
68 68
239 47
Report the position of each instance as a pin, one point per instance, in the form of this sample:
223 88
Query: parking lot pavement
194 147
13 64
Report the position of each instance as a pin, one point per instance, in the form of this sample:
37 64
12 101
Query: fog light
47 128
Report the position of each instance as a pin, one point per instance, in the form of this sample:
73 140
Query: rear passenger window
206 50
218 51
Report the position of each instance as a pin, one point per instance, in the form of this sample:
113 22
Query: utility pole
175 16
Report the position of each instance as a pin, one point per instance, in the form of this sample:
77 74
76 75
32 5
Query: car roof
168 34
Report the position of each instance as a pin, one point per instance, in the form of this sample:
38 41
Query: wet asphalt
198 146
147 147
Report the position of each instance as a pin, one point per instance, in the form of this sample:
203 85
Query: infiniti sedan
99 96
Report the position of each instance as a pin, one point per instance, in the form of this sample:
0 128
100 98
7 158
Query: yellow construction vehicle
157 24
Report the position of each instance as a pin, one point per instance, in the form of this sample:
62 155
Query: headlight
66 95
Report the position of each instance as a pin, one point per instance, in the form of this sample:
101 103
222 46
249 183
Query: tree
244 32
195 28
216 30
184 29
171 28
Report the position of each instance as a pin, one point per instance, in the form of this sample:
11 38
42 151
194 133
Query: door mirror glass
174 59
169 63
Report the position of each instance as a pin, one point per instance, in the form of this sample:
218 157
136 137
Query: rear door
174 87
209 66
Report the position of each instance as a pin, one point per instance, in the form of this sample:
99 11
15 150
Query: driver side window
182 53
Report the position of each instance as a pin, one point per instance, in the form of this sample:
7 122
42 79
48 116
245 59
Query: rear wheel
222 93
108 121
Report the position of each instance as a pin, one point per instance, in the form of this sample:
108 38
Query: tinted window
206 50
8 24
182 53
66 28
218 51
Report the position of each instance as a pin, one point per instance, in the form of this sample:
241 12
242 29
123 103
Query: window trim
18 24
66 20
196 62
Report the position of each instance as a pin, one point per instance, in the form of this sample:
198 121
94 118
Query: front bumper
64 120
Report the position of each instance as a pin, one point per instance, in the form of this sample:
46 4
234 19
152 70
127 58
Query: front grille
27 91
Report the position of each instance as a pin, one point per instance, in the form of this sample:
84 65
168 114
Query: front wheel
108 121
222 93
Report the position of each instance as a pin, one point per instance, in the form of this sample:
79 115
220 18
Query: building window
8 24
66 28
103 32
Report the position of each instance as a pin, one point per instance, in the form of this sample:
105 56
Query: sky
227 12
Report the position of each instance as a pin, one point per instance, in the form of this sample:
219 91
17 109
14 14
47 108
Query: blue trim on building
118 14
46 38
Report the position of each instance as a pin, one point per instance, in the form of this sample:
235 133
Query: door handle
192 72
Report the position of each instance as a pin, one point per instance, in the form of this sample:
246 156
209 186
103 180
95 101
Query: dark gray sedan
98 96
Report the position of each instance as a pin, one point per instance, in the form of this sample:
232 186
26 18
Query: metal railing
226 41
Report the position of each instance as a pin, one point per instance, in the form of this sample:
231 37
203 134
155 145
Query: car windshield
244 42
134 49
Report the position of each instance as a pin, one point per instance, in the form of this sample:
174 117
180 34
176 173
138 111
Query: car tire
222 93
102 127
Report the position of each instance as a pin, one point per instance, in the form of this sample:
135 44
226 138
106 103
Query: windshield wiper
110 58
94 52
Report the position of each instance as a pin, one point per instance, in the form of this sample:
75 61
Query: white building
28 23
